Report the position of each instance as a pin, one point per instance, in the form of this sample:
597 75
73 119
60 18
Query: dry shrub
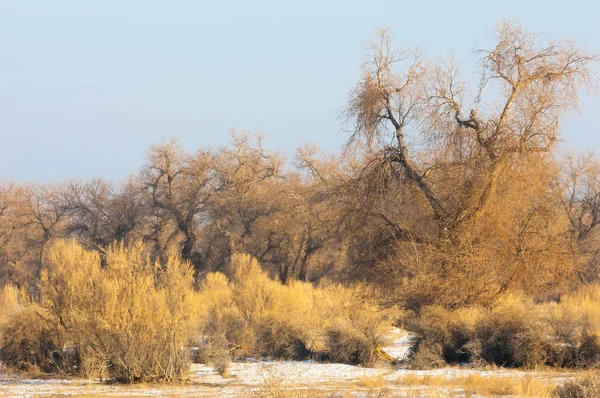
130 318
256 314
11 302
354 328
510 334
444 335
274 384
260 316
278 338
443 332
352 325
587 386
220 360
347 346
515 332
427 356
213 351
574 323
30 342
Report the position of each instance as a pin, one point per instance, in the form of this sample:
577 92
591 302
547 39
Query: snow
248 378
303 373
400 343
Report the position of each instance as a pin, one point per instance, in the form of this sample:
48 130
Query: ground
273 379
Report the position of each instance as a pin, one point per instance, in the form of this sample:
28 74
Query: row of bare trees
207 203
446 193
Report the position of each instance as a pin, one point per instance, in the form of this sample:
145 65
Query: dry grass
484 385
372 382
274 384
587 386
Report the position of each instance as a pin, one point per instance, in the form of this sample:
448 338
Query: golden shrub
131 317
260 316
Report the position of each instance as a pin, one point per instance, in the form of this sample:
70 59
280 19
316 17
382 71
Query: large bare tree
433 144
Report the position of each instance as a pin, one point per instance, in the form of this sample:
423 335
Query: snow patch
400 343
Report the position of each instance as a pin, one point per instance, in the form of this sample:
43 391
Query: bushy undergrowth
258 316
28 341
515 332
31 343
131 319
128 320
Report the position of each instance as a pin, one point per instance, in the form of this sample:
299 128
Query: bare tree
420 145
579 187
13 247
537 83
41 216
180 184
103 212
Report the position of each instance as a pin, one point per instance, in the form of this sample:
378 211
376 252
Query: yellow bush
130 318
255 313
515 332
11 302
510 334
575 323
31 341
293 321
28 339
133 319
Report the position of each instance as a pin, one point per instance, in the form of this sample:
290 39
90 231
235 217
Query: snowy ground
267 379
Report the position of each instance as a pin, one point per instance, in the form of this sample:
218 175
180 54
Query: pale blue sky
87 86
